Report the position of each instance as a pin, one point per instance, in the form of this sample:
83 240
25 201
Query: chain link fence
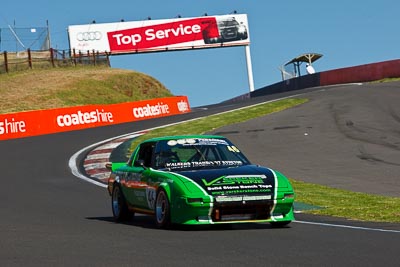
30 48
14 39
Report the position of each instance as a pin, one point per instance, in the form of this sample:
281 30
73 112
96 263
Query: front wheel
162 209
119 207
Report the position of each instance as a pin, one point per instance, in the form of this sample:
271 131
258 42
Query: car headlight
288 195
242 29
195 200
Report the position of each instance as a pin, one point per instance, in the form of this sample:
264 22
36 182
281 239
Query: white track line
72 161
349 227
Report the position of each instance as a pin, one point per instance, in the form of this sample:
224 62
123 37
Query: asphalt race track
346 136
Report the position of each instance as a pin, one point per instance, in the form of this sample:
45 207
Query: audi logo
88 36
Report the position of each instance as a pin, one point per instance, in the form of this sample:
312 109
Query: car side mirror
139 163
109 166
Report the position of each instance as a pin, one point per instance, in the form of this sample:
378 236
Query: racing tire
119 207
162 210
279 224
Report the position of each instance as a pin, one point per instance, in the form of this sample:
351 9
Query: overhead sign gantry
163 35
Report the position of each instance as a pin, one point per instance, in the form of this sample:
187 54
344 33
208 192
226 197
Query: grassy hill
74 86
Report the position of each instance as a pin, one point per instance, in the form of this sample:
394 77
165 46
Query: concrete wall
301 82
362 73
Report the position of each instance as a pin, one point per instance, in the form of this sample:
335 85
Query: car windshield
228 23
194 153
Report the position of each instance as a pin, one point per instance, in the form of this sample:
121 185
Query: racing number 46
233 149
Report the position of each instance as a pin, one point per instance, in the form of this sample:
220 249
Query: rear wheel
119 207
162 209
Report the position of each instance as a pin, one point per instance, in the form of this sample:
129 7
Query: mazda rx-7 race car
195 180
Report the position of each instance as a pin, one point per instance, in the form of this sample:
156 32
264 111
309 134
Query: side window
145 153
164 154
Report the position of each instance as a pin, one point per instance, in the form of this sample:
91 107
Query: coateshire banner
31 123
160 35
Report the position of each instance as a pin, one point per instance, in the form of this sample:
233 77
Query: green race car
195 180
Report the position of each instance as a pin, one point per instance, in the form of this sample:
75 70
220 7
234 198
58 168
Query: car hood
242 180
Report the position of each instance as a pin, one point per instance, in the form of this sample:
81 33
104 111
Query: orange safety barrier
40 122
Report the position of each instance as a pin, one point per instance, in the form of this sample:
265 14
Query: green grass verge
334 202
38 89
386 80
348 204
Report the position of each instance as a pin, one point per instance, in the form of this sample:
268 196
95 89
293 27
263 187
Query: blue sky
347 33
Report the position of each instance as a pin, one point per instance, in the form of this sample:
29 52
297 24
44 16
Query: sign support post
249 69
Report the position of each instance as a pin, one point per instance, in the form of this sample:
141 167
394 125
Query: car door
133 186
136 178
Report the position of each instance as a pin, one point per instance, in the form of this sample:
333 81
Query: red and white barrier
31 123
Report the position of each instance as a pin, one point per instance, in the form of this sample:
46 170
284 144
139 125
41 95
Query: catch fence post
74 56
6 61
108 59
29 58
52 57
94 58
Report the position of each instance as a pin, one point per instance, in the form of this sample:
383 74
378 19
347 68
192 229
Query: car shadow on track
147 222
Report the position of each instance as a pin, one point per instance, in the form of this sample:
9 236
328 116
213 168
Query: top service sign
160 35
